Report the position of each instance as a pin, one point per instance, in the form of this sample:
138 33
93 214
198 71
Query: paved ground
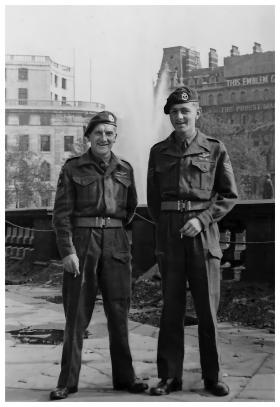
32 369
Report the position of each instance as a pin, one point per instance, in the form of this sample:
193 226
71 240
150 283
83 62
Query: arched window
232 97
45 171
220 98
243 96
210 99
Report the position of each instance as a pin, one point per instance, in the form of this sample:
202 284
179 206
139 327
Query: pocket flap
85 180
216 252
123 257
123 179
204 166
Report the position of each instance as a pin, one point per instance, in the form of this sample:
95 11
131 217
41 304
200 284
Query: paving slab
260 387
32 370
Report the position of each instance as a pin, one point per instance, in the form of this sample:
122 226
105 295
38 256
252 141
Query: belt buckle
181 205
184 206
104 222
188 205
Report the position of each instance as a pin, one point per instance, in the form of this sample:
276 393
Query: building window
45 119
22 96
63 83
210 99
63 100
45 171
46 199
243 96
22 74
55 80
256 94
68 143
266 94
23 119
45 143
220 98
232 97
243 119
24 142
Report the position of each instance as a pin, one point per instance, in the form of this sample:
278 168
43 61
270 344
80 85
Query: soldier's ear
198 112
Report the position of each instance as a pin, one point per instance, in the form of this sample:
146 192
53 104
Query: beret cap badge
185 96
180 95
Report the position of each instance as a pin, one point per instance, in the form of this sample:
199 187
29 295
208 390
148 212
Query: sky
125 43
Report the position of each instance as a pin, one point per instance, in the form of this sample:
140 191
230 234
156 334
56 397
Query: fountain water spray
142 123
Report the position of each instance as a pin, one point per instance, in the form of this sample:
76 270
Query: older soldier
190 188
95 199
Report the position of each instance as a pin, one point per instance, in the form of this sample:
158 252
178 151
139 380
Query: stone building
240 92
41 113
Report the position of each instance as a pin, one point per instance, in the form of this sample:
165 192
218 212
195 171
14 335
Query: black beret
180 95
102 117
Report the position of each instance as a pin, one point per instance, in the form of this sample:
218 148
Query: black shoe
166 386
132 387
62 392
216 387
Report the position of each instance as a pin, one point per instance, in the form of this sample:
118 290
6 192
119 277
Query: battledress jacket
201 172
85 189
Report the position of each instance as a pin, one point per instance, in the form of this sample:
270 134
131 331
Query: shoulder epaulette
71 159
125 163
160 143
213 139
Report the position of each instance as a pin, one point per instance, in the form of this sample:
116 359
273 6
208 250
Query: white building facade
41 115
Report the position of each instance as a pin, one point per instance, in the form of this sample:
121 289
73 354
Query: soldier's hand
191 228
71 264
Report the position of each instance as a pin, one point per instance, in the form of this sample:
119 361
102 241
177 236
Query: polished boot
166 386
62 392
217 388
132 387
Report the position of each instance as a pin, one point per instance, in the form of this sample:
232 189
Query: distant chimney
234 51
257 48
213 58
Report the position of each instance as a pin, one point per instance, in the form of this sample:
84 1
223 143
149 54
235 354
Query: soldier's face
183 116
102 138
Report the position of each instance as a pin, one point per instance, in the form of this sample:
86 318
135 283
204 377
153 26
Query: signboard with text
251 80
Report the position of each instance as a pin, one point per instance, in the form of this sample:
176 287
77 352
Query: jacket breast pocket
202 174
123 182
86 187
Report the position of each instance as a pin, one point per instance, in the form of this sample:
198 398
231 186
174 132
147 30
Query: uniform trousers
196 260
104 262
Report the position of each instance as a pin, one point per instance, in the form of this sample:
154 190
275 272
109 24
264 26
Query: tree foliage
25 180
248 161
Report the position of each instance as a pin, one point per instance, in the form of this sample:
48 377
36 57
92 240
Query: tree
248 161
25 182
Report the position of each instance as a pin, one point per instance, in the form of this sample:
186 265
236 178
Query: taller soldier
95 199
191 187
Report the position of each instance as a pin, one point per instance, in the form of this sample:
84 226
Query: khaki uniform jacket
202 172
85 189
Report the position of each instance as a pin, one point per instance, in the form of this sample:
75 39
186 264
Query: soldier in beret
191 187
95 199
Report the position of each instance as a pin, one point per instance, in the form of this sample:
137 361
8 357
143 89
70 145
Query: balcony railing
36 60
78 104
